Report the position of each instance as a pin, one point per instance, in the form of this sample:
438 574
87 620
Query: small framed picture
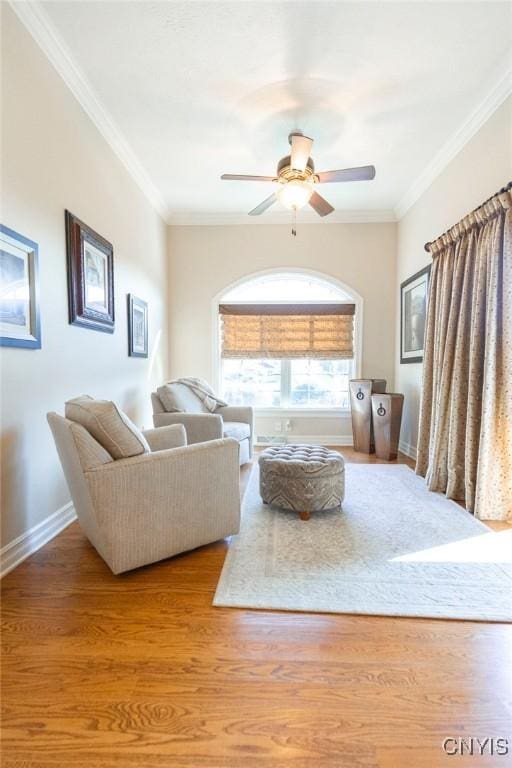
137 327
20 324
90 277
413 316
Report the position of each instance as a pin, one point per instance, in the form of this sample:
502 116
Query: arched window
297 383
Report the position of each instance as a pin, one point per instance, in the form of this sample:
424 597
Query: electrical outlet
278 427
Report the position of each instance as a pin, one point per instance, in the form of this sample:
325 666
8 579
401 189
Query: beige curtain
287 331
465 439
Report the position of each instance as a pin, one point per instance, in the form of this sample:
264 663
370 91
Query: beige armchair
184 407
153 505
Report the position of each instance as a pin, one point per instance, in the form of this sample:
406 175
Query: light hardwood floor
141 670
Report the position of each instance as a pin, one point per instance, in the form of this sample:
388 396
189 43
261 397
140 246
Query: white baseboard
36 537
306 439
341 440
409 450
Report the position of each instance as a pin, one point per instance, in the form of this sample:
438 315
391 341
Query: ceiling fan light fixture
295 194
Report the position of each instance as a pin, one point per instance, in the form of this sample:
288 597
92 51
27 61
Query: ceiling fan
297 179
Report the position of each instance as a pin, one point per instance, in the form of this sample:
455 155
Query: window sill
316 413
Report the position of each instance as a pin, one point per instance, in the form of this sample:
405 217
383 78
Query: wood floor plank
141 670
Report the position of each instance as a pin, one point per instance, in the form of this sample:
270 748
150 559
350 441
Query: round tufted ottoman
305 478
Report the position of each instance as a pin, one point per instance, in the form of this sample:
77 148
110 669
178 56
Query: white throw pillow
108 425
178 397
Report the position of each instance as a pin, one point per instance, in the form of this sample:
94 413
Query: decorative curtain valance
320 331
465 431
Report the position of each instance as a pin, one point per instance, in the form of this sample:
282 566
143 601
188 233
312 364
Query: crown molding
475 120
280 217
35 20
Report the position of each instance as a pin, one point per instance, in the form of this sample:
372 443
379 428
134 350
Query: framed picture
413 316
90 277
137 327
20 324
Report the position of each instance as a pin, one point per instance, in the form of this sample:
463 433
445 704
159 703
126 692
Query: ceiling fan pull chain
294 222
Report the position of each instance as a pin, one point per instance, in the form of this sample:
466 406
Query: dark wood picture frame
22 329
416 355
135 348
83 245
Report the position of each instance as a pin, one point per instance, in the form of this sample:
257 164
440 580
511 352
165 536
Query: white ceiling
201 88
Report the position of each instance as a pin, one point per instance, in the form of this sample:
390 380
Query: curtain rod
506 188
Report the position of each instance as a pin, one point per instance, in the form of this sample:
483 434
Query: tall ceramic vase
387 420
361 407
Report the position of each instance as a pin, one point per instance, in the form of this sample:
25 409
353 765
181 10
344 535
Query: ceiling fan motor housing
285 172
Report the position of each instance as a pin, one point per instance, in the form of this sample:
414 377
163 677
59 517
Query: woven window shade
319 331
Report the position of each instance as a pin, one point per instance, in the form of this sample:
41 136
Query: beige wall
56 159
204 260
482 167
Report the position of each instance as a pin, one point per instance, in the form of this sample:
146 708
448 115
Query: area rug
395 549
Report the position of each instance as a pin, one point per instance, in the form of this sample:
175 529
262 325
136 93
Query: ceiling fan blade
320 204
363 173
244 177
262 207
301 150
